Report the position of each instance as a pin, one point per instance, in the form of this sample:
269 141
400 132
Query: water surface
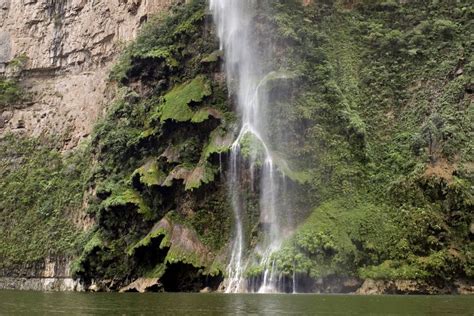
39 303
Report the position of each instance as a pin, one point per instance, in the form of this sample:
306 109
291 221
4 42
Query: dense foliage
387 95
157 154
41 192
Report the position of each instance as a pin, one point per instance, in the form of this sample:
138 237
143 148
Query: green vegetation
385 94
150 174
153 154
10 92
176 104
41 193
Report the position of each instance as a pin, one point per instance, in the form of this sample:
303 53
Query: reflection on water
37 303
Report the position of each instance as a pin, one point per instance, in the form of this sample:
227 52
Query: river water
40 303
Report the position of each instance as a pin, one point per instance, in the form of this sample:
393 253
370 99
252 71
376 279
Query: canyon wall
68 46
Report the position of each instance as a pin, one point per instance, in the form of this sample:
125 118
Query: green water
37 303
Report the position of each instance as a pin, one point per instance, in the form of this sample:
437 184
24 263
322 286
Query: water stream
244 62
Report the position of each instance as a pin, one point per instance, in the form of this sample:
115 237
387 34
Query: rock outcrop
378 287
70 46
143 285
52 274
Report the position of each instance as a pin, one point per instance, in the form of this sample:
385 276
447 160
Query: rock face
142 285
377 287
41 284
70 46
52 274
47 268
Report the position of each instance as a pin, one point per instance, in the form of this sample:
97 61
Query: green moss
204 173
177 251
126 198
301 177
116 137
157 271
219 142
148 133
150 174
161 53
148 239
251 146
203 115
277 78
180 172
95 242
390 270
190 25
214 57
337 238
177 101
140 136
354 237
444 263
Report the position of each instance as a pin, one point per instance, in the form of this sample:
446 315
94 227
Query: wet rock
336 284
50 274
102 285
377 287
206 290
188 261
465 287
93 288
143 285
372 287
41 284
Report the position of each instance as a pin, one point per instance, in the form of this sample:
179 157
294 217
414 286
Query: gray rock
5 47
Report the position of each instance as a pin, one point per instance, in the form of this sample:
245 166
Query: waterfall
246 74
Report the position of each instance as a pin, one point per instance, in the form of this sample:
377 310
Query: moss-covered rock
150 174
382 100
176 102
161 158
182 245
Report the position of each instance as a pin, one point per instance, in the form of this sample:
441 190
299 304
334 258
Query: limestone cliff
69 46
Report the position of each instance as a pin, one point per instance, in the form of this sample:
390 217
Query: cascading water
244 70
